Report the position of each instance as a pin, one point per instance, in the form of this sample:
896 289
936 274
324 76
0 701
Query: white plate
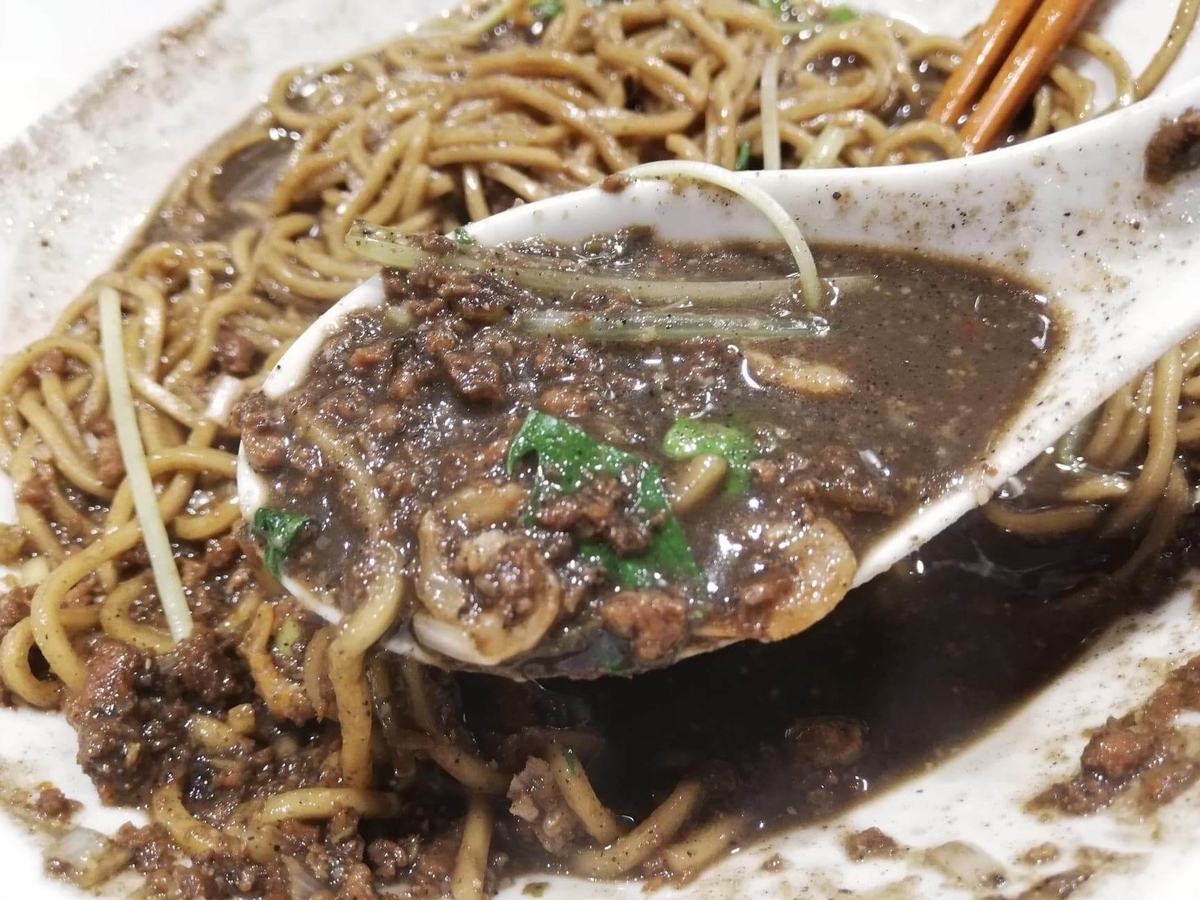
81 179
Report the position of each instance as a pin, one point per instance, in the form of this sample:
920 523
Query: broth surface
910 366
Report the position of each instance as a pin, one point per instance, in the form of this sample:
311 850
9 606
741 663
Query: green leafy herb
279 530
688 438
614 664
840 15
743 157
779 7
463 237
568 457
548 9
572 765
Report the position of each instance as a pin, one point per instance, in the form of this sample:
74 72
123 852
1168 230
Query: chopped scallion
743 157
638 327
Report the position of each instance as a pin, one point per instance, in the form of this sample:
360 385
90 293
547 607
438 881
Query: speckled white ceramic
83 180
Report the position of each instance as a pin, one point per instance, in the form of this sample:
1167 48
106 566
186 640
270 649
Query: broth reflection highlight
280 757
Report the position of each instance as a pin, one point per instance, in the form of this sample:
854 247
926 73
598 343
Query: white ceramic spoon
1073 213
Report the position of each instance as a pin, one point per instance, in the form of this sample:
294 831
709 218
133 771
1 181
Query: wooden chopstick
981 60
1051 27
1039 39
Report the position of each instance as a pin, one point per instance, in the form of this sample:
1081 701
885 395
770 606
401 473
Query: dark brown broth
918 663
938 353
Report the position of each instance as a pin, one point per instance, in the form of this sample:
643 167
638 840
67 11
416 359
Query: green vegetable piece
279 530
776 6
463 237
688 438
548 9
287 635
743 157
572 765
568 457
614 663
840 15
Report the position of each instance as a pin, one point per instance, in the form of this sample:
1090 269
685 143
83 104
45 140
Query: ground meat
14 606
236 353
769 590
52 362
479 297
34 491
475 377
371 355
125 740
489 302
597 510
1116 753
207 667
221 552
1174 149
568 401
12 543
537 801
1168 781
654 622
347 404
358 884
110 467
1143 748
825 743
836 478
410 378
773 863
264 432
513 579
587 509
150 845
437 340
435 862
131 715
436 243
614 184
390 859
870 844
177 881
54 804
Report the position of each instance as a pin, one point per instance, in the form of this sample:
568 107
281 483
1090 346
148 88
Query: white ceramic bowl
82 179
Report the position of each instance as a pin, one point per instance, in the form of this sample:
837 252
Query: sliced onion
302 883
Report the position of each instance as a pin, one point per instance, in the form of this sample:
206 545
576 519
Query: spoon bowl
1074 213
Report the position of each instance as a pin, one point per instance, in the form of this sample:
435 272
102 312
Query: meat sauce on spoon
591 481
603 455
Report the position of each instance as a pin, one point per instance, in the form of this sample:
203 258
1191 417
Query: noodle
634 848
346 668
470 868
690 855
118 434
321 803
598 821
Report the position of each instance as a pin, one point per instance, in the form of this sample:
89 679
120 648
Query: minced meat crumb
870 844
537 801
54 804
